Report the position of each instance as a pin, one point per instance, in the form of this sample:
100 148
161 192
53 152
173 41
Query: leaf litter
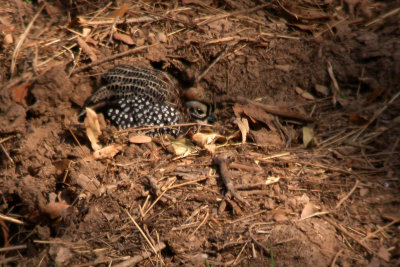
248 58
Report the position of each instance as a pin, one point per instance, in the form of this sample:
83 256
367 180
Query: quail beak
212 118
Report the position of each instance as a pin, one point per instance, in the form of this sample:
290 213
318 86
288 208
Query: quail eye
200 111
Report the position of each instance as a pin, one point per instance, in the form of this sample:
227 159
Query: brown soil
332 203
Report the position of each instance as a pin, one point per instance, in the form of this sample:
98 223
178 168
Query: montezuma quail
137 97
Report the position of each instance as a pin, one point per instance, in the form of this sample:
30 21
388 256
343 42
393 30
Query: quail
136 97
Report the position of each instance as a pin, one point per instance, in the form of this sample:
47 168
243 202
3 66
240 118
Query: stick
13 248
138 258
348 195
280 111
22 39
222 163
240 12
221 54
122 54
11 219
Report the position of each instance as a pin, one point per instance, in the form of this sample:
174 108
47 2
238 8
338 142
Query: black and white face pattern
140 112
198 111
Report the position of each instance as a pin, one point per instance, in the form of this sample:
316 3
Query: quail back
137 97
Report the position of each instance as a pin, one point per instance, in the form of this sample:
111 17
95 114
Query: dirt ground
302 168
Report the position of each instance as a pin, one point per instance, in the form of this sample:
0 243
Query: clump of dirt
307 100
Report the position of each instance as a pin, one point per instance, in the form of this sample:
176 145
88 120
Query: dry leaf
57 209
286 68
107 152
384 254
8 38
20 92
280 217
308 136
244 128
322 89
120 12
202 139
92 128
90 184
304 93
87 49
308 210
357 119
272 180
123 38
210 148
161 37
254 113
139 139
182 147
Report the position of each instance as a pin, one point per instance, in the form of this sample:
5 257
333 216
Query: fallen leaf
357 119
120 12
92 128
308 210
364 192
286 68
182 147
63 256
244 128
20 92
322 89
280 217
161 37
210 148
57 209
254 113
202 139
107 152
308 136
272 180
139 139
384 254
123 38
8 38
90 184
304 93
87 49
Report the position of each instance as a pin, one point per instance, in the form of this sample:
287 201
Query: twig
156 188
222 163
165 126
122 54
276 110
11 219
377 114
144 235
22 39
348 195
345 232
384 16
380 229
333 78
221 54
239 12
138 258
13 248
202 223
83 22
6 153
274 35
333 264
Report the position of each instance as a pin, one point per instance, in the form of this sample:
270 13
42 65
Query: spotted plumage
138 97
